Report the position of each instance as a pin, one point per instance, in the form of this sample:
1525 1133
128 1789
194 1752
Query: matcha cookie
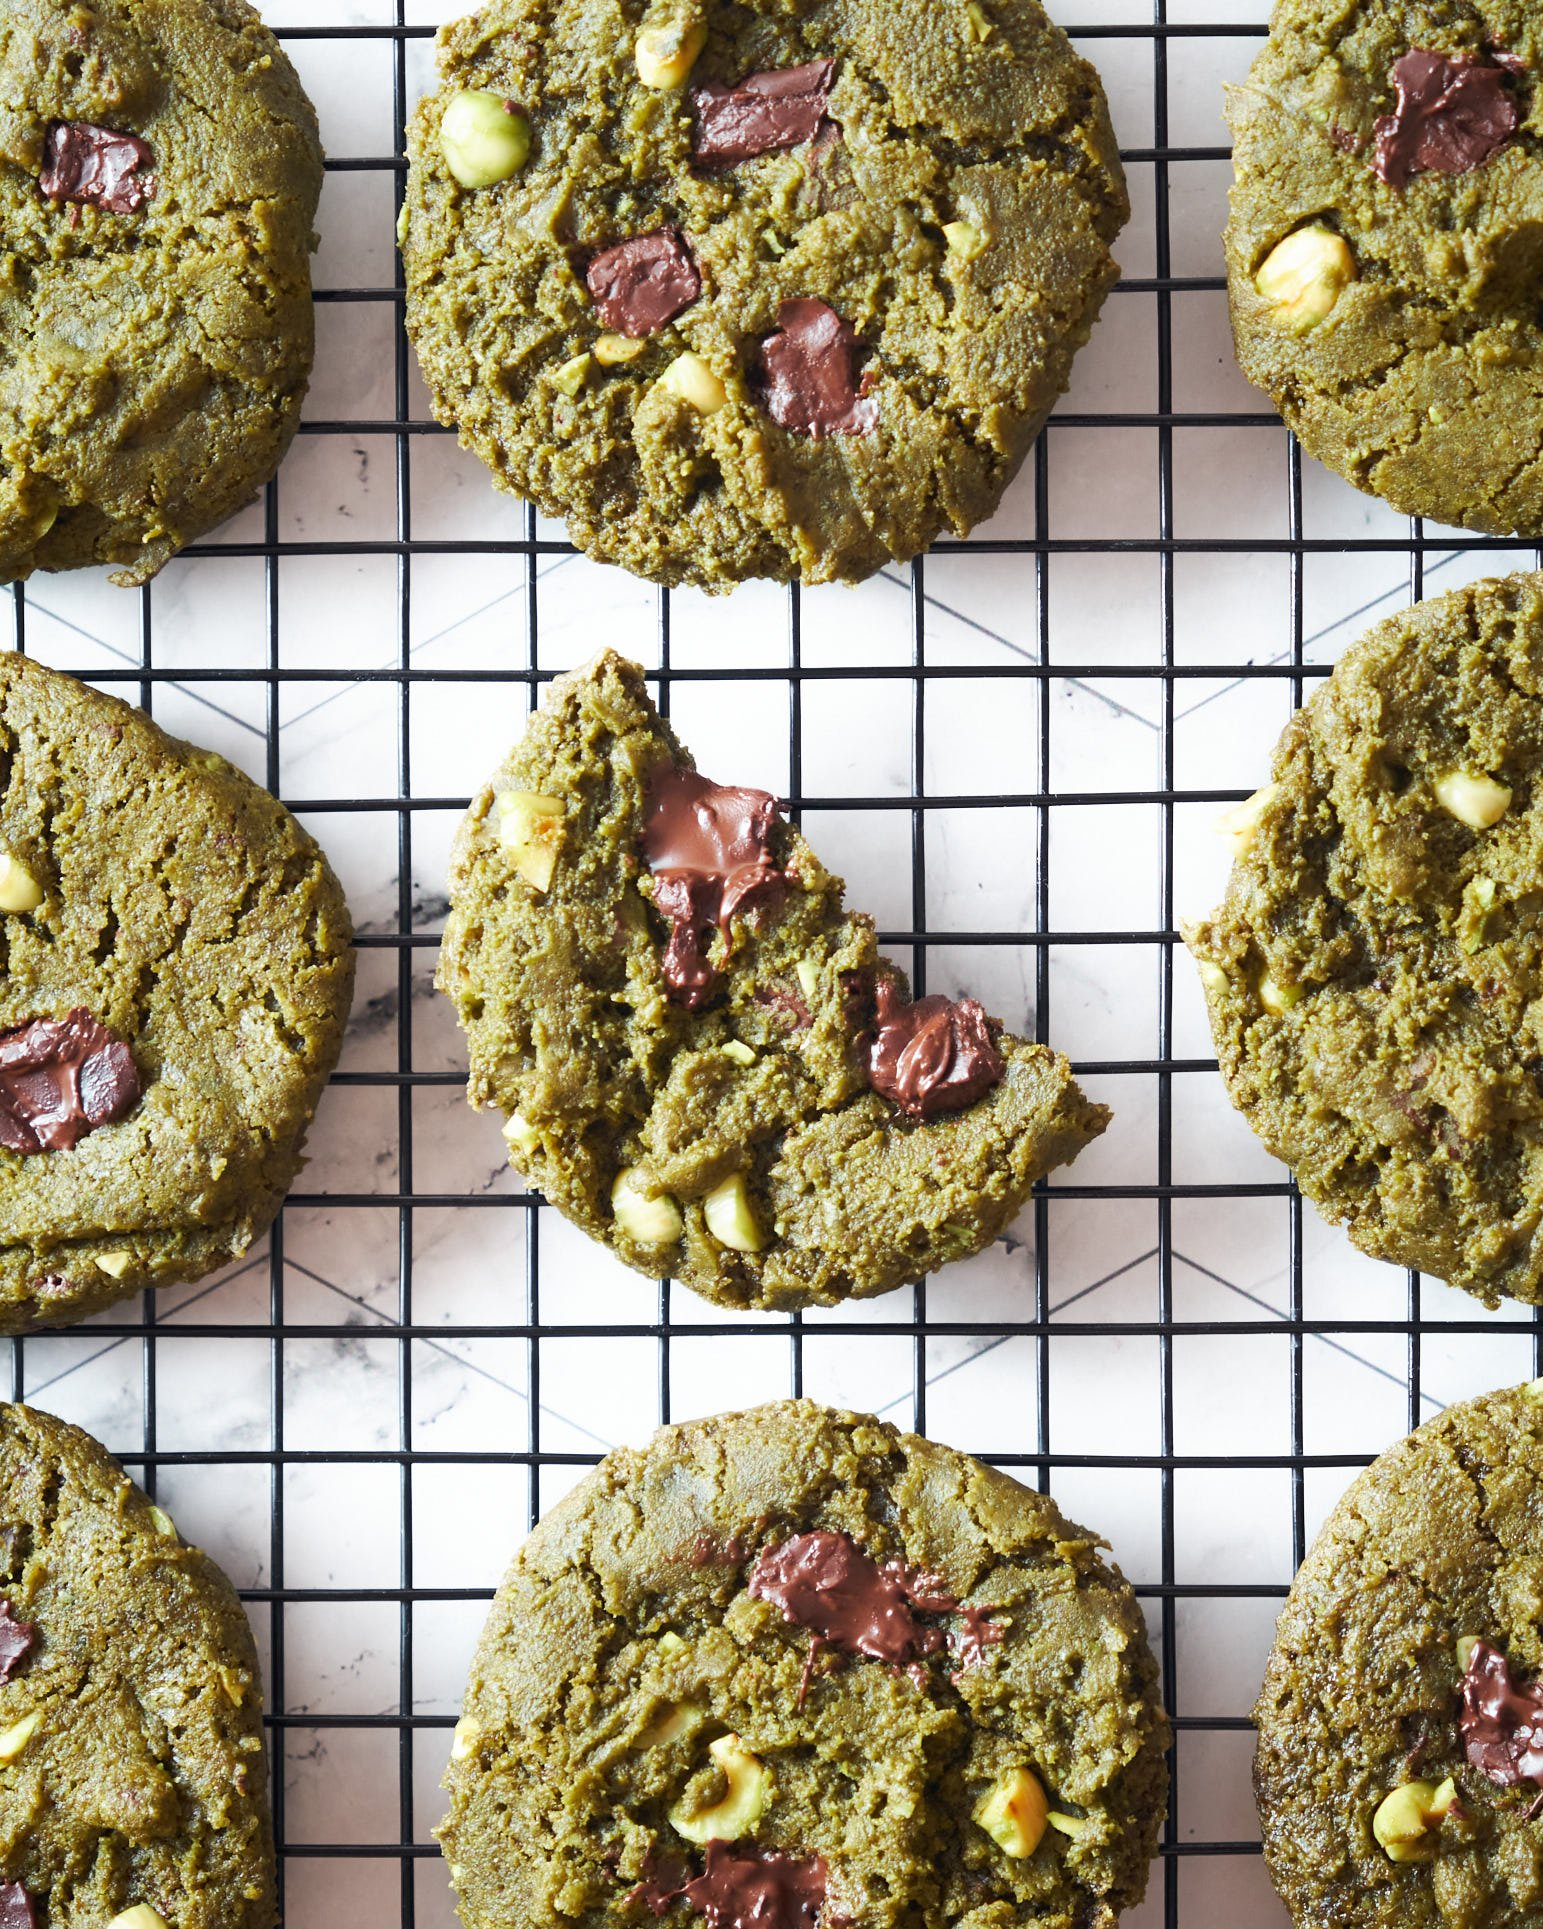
159 175
757 290
1375 973
704 1061
1400 1760
1383 252
131 1740
178 972
791 1667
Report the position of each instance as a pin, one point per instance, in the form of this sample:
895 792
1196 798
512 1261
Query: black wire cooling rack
1182 1889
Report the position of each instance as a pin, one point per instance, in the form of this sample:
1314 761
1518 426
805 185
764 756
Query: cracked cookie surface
721 1061
1375 971
130 1703
970 115
156 341
185 910
637 1628
1436 1543
1420 377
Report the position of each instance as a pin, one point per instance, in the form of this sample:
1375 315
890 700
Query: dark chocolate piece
1452 116
640 284
937 1055
15 1907
740 1888
1500 1722
61 1078
708 847
96 165
764 113
16 1641
807 379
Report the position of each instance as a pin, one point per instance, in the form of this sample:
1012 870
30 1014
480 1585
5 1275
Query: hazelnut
671 1722
520 1136
163 1522
731 1217
1465 1645
484 138
667 51
1072 1825
571 377
1408 1821
464 1738
743 1802
651 1218
1013 1811
531 830
1473 921
965 240
1239 824
671 1643
739 1051
15 1738
141 1916
20 891
1213 977
808 975
978 23
115 1264
689 377
1276 997
612 350
1475 800
1305 275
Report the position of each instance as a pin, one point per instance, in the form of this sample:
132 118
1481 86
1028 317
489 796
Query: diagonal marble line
1337 1346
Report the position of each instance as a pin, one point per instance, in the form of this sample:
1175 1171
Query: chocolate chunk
1501 1723
764 113
640 284
1452 115
96 165
937 1055
15 1907
741 1889
807 378
61 1078
708 847
16 1641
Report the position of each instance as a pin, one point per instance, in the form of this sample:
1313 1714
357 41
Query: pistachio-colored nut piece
164 1524
15 1738
484 138
20 891
1465 1644
114 1264
531 830
1240 823
520 1136
652 1219
1213 977
671 1643
1305 275
689 377
1072 1825
1277 997
464 1738
1013 1811
739 1051
666 52
1473 922
980 24
571 377
731 1218
141 1916
612 350
1408 1821
964 239
1475 800
742 1805
672 1721
808 973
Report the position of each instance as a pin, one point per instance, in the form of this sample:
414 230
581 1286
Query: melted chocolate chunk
764 113
61 1078
1501 1723
807 380
15 1907
708 847
937 1055
740 1889
16 1641
1452 115
640 284
96 165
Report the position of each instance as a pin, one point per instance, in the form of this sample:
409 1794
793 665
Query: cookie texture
130 1695
1390 148
715 1072
159 174
642 1624
1375 970
1435 1548
154 890
884 301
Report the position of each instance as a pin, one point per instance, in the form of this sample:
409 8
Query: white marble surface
425 1427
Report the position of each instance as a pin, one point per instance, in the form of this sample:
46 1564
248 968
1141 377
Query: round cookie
1397 1781
130 1705
703 1059
788 306
795 1653
1383 252
1375 971
178 972
159 175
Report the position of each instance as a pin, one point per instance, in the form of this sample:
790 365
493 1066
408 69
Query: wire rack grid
1011 748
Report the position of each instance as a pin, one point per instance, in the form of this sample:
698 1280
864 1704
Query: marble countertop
1157 1276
